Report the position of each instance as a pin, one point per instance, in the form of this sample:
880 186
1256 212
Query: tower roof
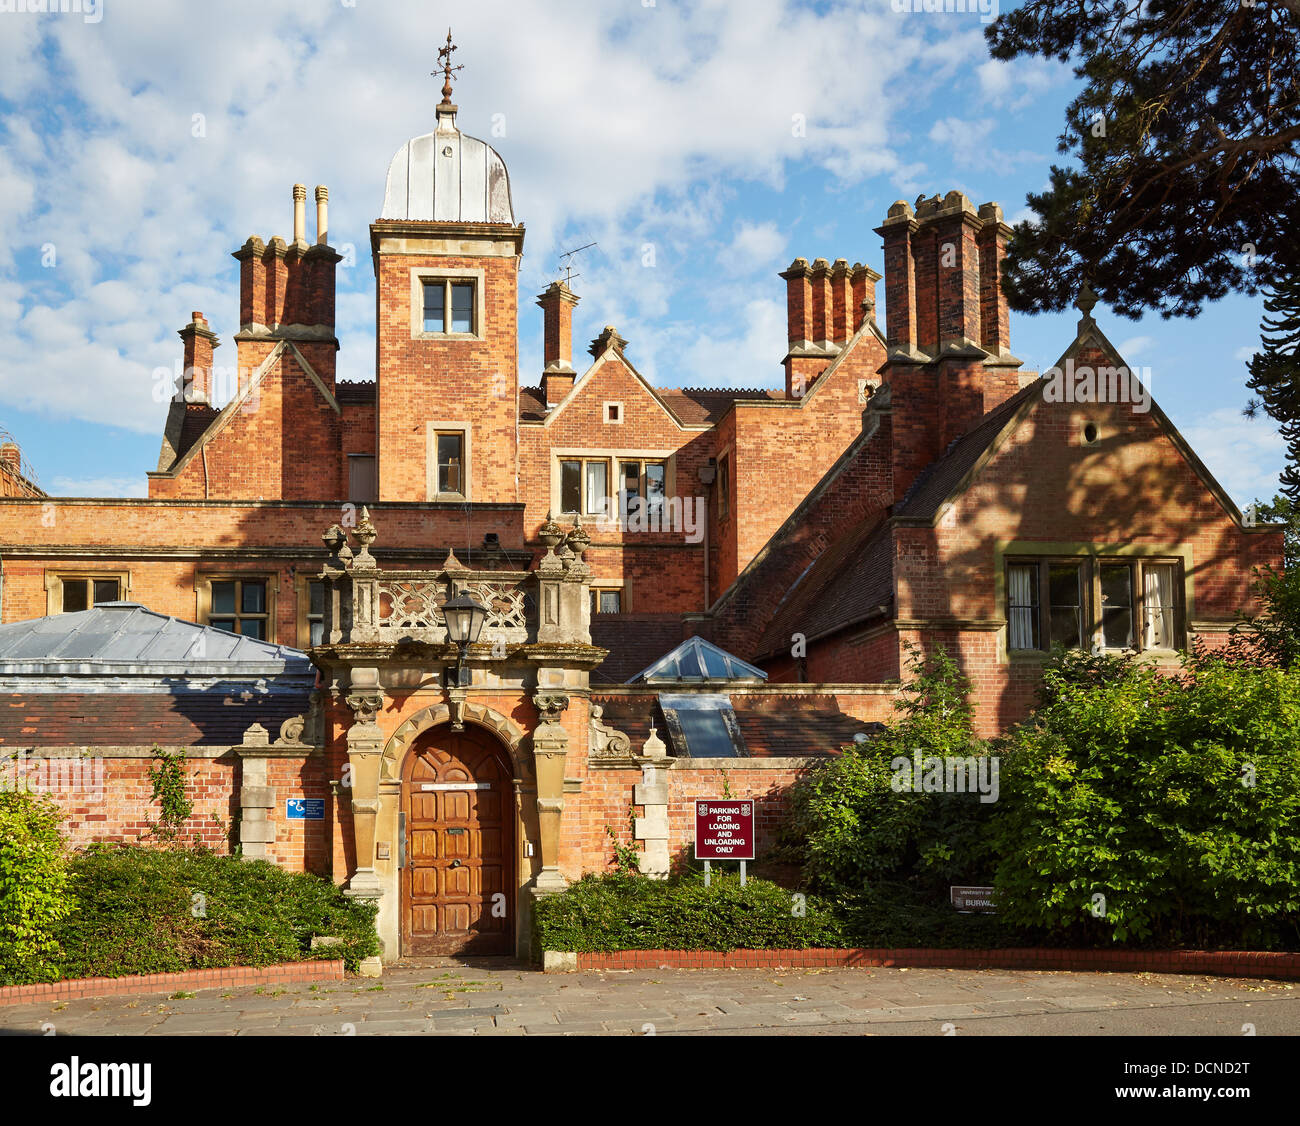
447 176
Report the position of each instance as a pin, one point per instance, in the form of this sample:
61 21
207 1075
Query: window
1117 606
361 479
451 461
81 593
448 306
606 601
1158 595
641 482
584 482
239 606
1112 604
315 613
613 412
724 486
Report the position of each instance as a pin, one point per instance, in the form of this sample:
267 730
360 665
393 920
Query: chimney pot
322 215
300 213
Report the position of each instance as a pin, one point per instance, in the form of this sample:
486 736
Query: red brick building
908 484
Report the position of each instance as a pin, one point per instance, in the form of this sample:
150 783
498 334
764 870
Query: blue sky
143 142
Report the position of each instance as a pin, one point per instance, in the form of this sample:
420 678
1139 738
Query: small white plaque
456 786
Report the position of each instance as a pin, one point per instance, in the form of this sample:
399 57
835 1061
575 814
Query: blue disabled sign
305 809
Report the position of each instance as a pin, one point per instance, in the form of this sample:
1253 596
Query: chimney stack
557 303
322 215
11 456
300 214
862 295
995 333
200 341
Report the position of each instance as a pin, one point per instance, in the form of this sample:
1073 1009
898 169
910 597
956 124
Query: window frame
1093 634
425 275
203 591
302 601
449 426
724 485
54 581
583 462
599 587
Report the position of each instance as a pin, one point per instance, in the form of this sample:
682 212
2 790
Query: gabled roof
849 582
212 425
697 659
123 638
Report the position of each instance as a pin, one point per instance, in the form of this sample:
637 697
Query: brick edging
1221 963
283 973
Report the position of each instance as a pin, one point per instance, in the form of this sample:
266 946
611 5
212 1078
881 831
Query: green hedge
620 912
142 910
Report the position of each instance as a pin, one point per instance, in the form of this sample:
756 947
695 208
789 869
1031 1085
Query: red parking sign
724 829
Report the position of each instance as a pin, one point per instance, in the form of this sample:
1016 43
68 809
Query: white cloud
756 245
1136 346
1243 454
137 486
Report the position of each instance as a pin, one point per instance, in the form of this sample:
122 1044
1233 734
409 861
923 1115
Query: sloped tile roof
197 418
843 585
633 641
773 725
360 391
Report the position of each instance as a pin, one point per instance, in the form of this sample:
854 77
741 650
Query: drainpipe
708 474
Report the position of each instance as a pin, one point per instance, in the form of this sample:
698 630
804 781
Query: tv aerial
566 262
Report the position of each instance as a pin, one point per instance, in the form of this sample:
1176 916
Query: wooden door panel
450 909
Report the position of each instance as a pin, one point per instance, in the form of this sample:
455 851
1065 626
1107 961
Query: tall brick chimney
286 292
557 303
200 341
947 325
11 456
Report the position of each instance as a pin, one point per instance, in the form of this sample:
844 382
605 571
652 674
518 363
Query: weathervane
566 262
444 61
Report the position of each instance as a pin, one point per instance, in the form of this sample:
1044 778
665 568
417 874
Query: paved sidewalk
498 997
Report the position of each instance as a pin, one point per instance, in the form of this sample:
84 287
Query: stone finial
257 736
578 540
365 533
654 747
451 563
609 338
1086 301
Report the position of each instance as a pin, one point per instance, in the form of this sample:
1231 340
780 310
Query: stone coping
1280 965
222 977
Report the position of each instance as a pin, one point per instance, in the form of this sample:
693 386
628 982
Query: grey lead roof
124 635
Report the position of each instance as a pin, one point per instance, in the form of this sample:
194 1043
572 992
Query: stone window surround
203 596
54 585
421 274
1008 552
723 483
616 417
432 428
613 457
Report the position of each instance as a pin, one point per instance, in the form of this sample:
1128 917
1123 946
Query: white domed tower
446 252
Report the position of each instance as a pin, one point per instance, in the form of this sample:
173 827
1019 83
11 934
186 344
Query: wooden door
458 884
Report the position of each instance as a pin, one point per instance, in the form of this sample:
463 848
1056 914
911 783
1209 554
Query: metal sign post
708 873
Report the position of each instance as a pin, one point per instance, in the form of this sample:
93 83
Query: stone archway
505 729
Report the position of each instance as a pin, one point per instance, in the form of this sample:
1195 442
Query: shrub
143 910
855 829
1177 800
621 912
34 894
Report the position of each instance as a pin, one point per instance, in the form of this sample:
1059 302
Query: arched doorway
458 875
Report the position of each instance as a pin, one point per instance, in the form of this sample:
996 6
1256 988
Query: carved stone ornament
578 541
606 742
366 705
456 707
550 705
365 533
